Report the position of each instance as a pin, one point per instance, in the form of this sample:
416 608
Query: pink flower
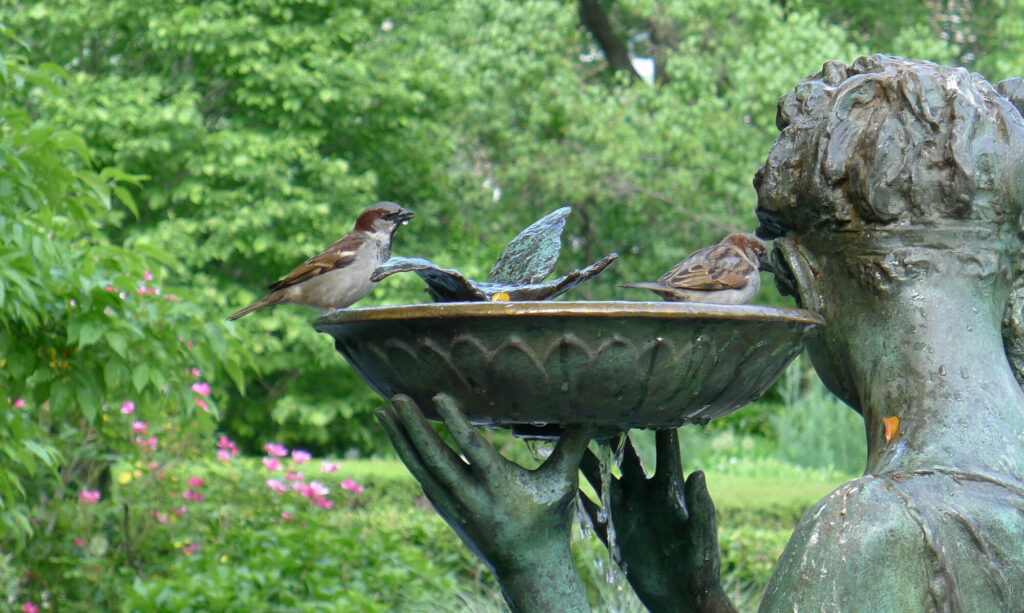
161 517
352 486
294 476
323 502
315 489
79 542
180 511
153 465
148 442
225 443
171 297
110 288
202 404
275 449
188 345
223 455
89 496
192 496
195 372
142 289
72 302
286 516
196 482
128 408
201 387
190 549
28 607
328 467
271 463
20 402
301 456
139 427
148 276
276 485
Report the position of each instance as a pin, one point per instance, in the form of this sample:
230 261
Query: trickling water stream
609 455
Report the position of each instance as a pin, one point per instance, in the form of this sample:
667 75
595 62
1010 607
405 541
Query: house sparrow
724 273
340 275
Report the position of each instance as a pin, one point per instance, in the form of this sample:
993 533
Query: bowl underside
539 366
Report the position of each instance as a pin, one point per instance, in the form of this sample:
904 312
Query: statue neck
930 353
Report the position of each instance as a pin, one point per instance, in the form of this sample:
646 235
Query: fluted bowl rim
596 308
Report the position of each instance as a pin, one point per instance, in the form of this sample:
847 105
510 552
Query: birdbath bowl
537 366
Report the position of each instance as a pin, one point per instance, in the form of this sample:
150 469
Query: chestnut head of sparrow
340 275
724 273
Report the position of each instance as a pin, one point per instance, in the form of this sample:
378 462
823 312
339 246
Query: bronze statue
895 195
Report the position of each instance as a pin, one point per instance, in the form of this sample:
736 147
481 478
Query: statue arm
517 520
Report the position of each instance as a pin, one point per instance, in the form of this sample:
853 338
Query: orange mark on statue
892 427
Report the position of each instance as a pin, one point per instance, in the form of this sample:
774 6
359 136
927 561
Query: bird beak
405 216
765 263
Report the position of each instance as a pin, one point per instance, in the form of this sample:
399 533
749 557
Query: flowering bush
166 502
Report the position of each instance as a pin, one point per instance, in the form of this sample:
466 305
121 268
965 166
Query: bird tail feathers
268 300
644 285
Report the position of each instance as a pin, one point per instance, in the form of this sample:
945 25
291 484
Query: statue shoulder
932 540
857 549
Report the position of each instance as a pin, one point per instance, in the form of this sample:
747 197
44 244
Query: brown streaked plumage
723 273
340 275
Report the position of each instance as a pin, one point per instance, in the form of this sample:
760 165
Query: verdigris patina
895 195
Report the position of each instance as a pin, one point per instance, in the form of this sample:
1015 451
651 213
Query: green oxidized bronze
613 365
895 195
518 274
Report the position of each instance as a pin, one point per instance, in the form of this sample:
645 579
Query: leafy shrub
814 429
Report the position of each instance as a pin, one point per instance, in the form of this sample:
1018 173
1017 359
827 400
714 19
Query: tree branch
595 19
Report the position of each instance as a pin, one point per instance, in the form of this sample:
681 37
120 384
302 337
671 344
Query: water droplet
604 512
583 519
540 448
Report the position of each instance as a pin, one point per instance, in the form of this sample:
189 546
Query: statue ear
1013 90
797 275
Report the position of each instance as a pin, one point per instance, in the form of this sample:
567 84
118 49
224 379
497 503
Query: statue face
798 274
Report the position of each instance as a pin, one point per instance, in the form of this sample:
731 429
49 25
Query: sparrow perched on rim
724 273
340 275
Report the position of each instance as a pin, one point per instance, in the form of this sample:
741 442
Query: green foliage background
214 145
263 128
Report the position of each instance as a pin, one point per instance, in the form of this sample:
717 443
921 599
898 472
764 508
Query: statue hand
517 520
665 530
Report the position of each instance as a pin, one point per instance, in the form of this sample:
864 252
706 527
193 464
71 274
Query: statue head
891 175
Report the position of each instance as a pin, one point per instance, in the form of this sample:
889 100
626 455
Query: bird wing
714 267
339 255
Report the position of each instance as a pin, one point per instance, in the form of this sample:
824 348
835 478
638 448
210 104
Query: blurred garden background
162 161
